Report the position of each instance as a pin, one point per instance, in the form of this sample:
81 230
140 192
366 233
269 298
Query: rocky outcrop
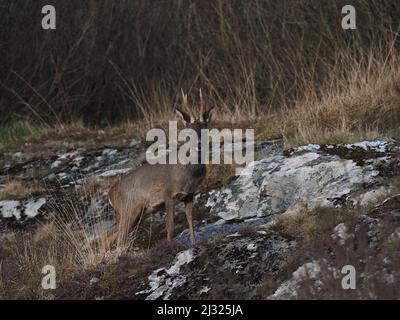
74 167
231 269
235 266
313 175
21 210
309 176
280 181
369 245
60 176
237 249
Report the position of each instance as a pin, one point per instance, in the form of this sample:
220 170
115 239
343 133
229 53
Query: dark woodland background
111 61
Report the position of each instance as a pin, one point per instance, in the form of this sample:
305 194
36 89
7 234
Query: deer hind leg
170 208
189 217
124 224
111 239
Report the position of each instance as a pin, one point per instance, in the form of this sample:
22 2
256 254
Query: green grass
20 131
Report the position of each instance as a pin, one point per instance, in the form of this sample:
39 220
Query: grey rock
307 176
232 269
288 290
214 230
21 210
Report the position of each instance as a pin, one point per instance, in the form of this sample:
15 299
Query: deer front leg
170 208
189 217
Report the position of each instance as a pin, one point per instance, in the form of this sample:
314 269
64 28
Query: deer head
189 117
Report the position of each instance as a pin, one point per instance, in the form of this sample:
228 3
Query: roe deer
153 187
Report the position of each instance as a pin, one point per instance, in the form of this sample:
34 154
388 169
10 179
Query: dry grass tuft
359 100
218 175
310 225
66 240
24 257
16 189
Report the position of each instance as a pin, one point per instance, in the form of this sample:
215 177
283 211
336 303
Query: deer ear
183 115
206 116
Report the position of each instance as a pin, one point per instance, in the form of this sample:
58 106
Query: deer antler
202 105
186 104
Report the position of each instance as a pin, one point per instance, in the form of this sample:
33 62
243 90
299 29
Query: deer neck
199 168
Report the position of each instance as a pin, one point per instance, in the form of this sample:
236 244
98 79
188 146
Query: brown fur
154 187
